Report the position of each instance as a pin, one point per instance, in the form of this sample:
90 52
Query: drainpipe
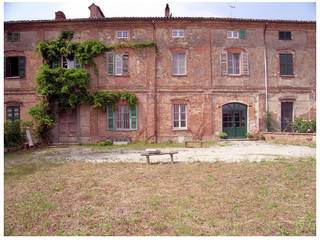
155 89
266 69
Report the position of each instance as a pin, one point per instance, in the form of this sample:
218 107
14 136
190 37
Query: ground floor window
13 113
286 116
123 118
179 116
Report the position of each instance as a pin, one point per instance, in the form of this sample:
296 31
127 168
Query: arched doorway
234 120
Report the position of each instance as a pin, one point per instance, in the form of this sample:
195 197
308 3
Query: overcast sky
123 8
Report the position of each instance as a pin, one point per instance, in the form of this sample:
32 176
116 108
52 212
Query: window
13 113
286 64
179 64
179 116
284 35
243 34
234 62
122 34
232 34
67 63
118 64
177 33
124 118
14 66
13 36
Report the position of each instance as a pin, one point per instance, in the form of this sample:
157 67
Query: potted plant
223 135
249 135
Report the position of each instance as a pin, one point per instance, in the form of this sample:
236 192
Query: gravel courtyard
232 151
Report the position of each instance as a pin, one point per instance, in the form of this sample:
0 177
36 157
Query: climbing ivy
63 89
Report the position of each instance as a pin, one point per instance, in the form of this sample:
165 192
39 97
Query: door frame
238 108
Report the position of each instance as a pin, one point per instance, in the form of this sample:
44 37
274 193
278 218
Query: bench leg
171 156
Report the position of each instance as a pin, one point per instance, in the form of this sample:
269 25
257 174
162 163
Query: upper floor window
178 63
124 118
14 66
284 35
286 64
67 63
179 116
118 64
232 34
177 33
13 36
122 34
13 113
234 62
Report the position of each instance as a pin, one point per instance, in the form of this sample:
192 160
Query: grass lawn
78 198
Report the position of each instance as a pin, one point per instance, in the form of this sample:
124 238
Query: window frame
175 33
13 36
181 64
112 63
232 36
234 67
120 34
113 118
285 37
286 65
21 67
179 120
13 113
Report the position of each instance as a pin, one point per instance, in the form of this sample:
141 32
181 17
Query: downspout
155 99
266 70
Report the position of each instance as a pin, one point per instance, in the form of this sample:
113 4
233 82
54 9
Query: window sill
122 130
15 77
179 75
287 76
180 129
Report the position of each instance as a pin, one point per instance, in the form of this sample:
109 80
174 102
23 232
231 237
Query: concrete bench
147 155
186 143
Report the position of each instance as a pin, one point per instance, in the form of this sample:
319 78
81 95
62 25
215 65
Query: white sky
30 10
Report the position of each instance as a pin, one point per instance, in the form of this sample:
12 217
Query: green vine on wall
63 89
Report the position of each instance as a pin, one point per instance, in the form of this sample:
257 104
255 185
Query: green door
234 120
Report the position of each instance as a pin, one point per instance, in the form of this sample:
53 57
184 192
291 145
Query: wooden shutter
9 36
134 118
110 63
223 63
245 63
174 64
22 66
125 64
289 64
243 34
5 66
110 118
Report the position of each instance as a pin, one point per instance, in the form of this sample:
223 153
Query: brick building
211 75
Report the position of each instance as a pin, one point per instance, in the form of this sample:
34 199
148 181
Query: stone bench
148 154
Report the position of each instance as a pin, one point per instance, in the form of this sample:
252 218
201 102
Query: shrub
223 135
105 142
304 126
14 133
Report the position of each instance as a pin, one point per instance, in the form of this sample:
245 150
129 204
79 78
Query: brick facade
203 89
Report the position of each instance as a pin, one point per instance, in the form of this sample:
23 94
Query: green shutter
110 63
289 64
110 118
55 63
243 34
5 66
22 66
134 118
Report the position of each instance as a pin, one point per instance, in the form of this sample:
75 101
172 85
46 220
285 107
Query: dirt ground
226 151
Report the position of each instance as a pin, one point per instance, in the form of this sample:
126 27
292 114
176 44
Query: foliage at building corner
63 89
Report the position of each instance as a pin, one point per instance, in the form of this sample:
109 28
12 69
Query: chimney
95 11
167 11
60 16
